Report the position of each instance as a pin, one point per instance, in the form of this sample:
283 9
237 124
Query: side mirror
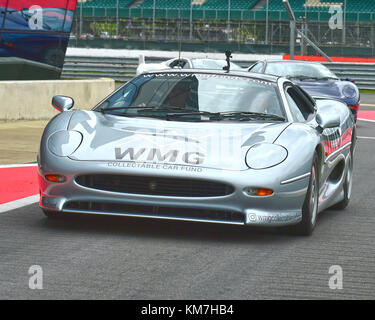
62 103
328 120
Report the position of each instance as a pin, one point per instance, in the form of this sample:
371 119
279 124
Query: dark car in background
34 34
314 78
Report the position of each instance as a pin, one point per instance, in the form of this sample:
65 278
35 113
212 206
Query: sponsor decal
154 154
154 166
275 218
206 76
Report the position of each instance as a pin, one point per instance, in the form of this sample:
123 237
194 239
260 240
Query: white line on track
18 203
366 138
367 105
18 165
366 120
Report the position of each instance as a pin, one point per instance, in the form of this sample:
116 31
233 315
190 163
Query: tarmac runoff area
19 141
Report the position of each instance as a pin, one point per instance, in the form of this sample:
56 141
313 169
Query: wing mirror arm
62 103
327 121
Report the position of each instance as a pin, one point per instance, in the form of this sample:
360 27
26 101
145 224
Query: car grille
155 185
156 211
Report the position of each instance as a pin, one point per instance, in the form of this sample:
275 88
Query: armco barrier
362 73
31 100
123 69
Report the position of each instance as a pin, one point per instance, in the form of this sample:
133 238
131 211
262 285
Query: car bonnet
216 145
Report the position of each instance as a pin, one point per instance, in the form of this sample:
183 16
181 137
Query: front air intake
160 186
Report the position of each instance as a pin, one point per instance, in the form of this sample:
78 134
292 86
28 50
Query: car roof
289 61
210 59
197 58
207 59
244 73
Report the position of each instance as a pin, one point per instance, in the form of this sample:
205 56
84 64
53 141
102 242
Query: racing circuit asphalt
110 257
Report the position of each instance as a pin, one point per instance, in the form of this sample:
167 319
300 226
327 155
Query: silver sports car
185 63
195 145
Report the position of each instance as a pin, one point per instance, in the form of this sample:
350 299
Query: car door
304 109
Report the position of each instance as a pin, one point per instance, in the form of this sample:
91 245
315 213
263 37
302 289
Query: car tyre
310 205
348 186
50 214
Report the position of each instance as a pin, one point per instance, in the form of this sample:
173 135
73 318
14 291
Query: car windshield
213 64
300 71
196 97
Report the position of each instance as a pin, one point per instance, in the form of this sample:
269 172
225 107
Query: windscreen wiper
238 115
235 115
210 115
328 78
301 78
145 108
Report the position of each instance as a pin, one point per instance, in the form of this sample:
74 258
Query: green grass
366 91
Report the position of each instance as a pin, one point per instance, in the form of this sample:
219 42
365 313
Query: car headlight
349 91
265 155
64 143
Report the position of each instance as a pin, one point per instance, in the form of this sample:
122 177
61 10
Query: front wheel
310 206
50 214
348 186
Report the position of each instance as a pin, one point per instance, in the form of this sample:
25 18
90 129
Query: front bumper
283 207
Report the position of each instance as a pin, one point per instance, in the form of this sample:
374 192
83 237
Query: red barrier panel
18 183
21 4
334 59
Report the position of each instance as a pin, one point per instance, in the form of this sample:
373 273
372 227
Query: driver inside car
184 94
178 95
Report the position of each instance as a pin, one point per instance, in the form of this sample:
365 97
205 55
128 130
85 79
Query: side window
294 108
309 99
187 65
178 63
174 63
257 67
301 101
